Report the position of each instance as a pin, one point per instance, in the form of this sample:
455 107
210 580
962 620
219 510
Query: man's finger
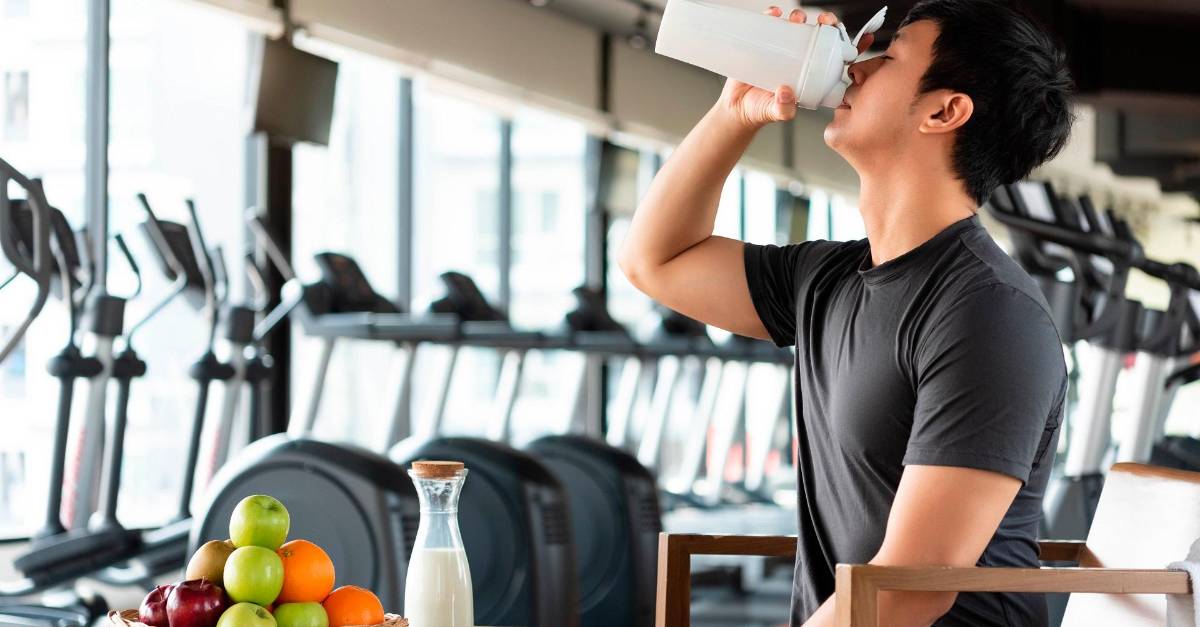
865 42
797 15
774 11
827 18
785 103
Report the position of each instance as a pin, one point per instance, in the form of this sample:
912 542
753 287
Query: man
929 376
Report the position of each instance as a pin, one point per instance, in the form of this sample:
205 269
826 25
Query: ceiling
1131 59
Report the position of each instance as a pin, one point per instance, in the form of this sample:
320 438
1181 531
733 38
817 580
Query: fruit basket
129 618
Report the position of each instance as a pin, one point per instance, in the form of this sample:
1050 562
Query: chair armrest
858 586
675 551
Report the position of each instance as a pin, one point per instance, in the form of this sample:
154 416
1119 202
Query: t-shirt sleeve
990 380
773 274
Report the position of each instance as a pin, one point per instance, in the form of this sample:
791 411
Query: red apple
196 603
153 611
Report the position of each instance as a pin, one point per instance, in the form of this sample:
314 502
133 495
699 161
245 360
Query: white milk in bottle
438 590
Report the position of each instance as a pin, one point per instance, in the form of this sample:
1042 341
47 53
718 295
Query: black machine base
613 502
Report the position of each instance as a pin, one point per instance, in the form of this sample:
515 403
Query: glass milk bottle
437 592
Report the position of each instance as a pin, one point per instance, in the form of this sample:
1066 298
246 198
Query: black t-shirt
944 356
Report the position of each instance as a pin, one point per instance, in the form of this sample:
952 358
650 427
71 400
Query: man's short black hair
1018 80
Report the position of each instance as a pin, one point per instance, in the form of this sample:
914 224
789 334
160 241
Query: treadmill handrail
1180 273
1120 252
38 267
1046 262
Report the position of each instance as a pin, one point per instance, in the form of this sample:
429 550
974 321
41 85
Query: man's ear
954 109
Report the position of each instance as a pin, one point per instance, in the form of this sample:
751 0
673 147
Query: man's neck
904 208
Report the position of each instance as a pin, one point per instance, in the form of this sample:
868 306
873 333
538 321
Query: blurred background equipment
377 231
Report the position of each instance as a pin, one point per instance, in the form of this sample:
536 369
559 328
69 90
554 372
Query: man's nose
861 70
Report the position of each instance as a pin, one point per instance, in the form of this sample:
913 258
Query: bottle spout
836 94
872 25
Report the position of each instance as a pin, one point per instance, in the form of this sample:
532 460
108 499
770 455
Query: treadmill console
591 313
464 299
349 289
675 323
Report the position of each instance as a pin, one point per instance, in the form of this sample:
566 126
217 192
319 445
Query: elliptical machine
36 261
178 249
57 555
354 503
512 512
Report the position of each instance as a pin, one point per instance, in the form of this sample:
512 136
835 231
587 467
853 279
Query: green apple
246 615
254 575
301 615
259 520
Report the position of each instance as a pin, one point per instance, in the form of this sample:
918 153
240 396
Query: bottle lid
436 469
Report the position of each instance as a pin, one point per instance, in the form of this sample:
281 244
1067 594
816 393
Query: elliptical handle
207 268
220 274
258 282
207 271
263 234
174 266
9 279
39 265
133 265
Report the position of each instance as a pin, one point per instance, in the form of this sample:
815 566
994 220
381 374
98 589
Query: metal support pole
96 131
506 214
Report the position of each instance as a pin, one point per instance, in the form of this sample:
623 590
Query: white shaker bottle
762 50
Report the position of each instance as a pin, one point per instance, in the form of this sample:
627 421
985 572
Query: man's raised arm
670 252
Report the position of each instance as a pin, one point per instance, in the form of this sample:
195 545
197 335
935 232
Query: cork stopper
436 469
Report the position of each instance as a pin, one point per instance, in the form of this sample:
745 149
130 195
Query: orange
307 573
352 605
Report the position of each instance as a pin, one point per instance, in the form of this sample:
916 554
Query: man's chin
833 134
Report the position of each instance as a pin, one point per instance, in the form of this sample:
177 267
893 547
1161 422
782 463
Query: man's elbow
925 608
939 604
633 266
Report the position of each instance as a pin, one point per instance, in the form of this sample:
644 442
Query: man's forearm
896 609
680 208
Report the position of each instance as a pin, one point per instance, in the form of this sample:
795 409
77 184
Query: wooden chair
1147 517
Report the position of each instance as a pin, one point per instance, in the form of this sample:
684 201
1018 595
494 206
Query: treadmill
1101 254
1169 338
514 512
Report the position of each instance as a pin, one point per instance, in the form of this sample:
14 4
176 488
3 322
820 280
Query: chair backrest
1147 517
